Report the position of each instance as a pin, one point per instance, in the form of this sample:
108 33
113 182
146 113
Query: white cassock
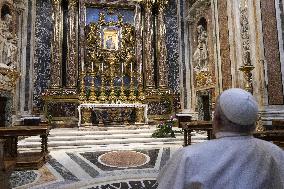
230 162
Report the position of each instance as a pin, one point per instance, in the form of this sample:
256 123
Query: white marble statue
200 56
8 47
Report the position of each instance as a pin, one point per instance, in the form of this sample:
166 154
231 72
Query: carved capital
73 3
56 2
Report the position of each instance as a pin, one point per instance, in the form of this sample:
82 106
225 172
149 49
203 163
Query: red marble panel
271 52
224 45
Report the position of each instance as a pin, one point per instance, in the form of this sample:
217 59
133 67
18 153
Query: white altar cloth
93 106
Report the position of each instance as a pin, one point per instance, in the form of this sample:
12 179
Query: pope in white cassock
234 160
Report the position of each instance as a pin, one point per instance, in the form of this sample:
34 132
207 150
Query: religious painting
110 38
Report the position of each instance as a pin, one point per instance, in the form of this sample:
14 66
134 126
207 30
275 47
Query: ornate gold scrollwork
113 63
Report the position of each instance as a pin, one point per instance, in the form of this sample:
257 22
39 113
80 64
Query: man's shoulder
203 146
268 145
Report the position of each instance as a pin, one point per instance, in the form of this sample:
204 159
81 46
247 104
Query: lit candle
102 66
92 66
131 66
122 68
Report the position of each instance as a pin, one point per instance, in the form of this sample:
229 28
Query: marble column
72 45
56 62
139 30
148 48
161 45
22 14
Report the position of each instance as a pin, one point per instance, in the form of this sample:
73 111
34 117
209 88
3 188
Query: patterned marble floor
123 168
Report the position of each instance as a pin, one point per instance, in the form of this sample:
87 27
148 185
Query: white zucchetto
239 106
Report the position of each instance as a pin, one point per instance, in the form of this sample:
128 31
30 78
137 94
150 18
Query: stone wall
43 35
172 43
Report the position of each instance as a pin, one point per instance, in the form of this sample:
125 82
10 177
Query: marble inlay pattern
171 22
62 109
224 45
143 184
43 37
123 159
8 108
272 55
19 178
85 166
93 157
81 169
159 108
65 173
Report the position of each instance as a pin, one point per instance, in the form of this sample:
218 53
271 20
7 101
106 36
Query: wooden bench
27 160
6 166
183 118
188 127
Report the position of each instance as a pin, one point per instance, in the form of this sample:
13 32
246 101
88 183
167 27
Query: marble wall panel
272 55
43 35
162 107
224 45
28 56
281 7
62 109
182 51
172 44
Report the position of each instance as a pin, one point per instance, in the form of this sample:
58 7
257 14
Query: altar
140 118
108 76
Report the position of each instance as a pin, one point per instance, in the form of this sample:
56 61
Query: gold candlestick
132 96
93 97
246 69
122 96
141 95
103 96
82 95
112 96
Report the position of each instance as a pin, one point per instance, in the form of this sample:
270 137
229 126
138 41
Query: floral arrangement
165 129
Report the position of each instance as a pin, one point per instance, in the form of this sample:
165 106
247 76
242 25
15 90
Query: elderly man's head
236 111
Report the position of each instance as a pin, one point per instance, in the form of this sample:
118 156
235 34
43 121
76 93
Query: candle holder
246 69
82 95
93 97
103 96
112 96
122 95
141 95
132 96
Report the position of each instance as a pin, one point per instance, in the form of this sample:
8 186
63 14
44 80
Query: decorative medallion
124 159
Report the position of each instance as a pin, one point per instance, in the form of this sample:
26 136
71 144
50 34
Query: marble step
97 142
83 133
52 143
92 137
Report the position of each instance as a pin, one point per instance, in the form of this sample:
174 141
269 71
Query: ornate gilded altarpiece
113 61
202 59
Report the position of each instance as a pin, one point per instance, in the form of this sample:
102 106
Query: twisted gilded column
161 45
55 67
72 45
148 34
